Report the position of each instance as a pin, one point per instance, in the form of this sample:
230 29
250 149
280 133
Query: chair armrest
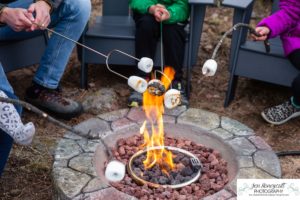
241 4
207 2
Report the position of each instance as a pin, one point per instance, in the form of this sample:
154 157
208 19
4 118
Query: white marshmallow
115 171
210 67
172 98
145 64
137 83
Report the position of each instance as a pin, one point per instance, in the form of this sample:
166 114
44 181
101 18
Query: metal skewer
89 48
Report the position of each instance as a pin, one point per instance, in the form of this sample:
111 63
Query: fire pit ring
140 180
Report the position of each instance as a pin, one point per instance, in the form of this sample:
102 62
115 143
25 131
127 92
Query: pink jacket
286 23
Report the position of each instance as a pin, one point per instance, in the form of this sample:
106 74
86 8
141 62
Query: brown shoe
53 102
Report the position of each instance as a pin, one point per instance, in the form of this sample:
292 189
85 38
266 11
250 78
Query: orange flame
154 109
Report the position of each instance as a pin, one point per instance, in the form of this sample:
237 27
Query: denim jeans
69 19
5 140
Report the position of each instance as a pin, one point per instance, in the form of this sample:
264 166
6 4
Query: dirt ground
28 173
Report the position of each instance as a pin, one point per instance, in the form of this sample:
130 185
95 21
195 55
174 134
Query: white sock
10 122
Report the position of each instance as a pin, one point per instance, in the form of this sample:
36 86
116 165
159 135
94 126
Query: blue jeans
5 140
69 19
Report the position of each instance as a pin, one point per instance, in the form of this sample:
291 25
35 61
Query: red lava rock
166 194
217 187
122 151
200 193
216 153
211 157
182 197
214 162
180 166
213 174
205 185
183 191
121 142
196 188
189 189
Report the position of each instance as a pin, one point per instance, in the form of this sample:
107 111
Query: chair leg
188 82
83 75
231 89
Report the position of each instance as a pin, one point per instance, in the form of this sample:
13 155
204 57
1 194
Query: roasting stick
210 66
89 48
34 109
115 170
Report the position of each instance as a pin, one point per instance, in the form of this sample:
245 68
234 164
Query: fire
154 109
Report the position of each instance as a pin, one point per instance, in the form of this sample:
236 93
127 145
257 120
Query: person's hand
263 31
16 18
42 14
159 12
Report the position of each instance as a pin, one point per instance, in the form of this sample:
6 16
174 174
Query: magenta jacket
286 23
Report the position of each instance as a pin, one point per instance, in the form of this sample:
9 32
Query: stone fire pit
78 166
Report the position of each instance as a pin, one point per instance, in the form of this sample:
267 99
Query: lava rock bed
214 173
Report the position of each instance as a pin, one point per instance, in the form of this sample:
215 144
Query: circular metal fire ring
155 185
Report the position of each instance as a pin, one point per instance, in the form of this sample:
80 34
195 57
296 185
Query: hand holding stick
210 66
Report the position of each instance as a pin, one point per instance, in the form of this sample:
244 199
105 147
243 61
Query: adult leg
6 33
69 19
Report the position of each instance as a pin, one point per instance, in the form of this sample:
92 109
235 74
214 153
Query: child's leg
294 57
11 123
291 108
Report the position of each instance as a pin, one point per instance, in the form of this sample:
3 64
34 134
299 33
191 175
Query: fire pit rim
137 178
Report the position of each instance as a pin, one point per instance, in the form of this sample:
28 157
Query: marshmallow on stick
145 64
210 67
137 83
172 98
115 171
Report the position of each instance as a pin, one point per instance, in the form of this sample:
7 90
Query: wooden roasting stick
34 109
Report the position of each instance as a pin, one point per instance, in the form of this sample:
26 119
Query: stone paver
74 175
235 127
83 163
66 149
259 143
95 185
225 135
269 162
114 115
121 123
242 146
245 161
201 118
94 127
69 182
